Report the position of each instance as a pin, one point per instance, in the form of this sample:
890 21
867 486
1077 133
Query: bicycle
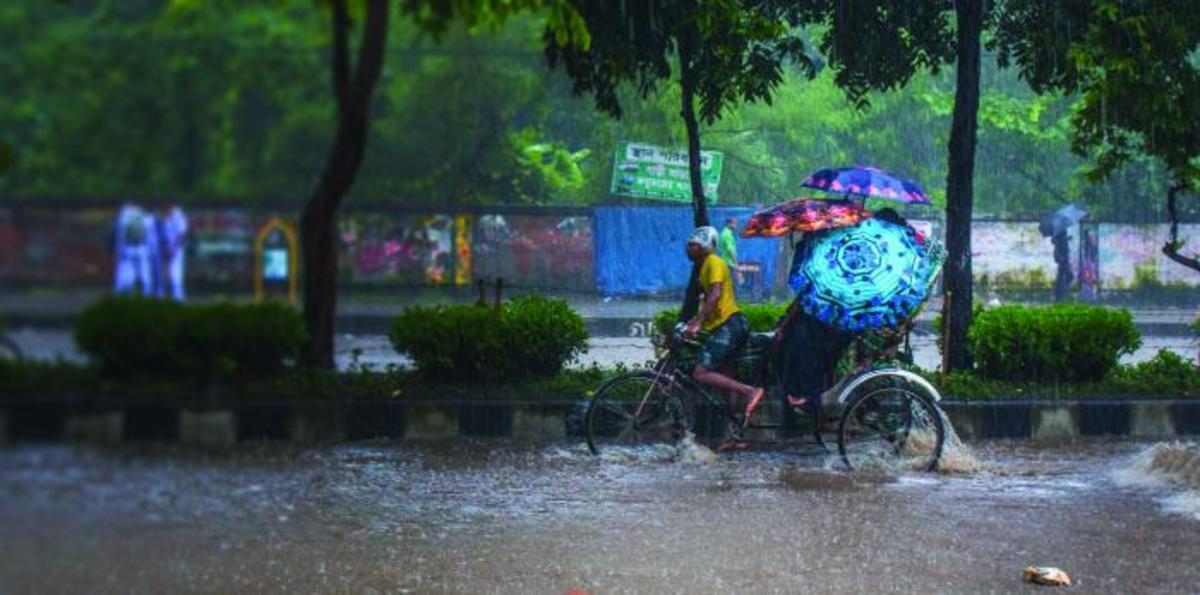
885 415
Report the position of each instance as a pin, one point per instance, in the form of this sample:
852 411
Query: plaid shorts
724 342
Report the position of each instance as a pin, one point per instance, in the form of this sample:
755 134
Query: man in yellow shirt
719 315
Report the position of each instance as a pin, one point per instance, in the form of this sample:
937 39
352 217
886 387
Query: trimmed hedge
131 337
531 337
1167 373
762 317
1063 342
135 337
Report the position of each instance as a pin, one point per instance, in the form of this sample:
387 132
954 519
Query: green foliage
544 334
531 337
1133 64
131 338
762 317
726 52
1064 342
102 99
449 343
239 341
24 377
1165 374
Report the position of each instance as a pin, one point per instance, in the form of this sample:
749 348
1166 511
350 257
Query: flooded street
497 516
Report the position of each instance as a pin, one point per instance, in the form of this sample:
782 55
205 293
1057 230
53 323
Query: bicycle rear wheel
634 410
891 423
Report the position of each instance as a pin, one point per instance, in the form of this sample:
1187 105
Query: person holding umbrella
1055 226
720 316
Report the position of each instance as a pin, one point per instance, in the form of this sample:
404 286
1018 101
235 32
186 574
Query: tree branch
341 55
1172 246
371 52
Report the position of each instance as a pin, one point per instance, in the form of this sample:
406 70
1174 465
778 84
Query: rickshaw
880 412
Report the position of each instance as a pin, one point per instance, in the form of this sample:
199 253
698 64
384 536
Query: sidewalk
372 313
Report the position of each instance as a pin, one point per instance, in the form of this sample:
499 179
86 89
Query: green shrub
530 337
131 337
135 337
1167 373
544 334
762 317
227 341
1064 342
23 377
452 342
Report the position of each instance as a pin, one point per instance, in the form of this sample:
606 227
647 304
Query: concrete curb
311 422
1066 420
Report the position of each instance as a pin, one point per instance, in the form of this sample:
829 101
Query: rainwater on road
498 516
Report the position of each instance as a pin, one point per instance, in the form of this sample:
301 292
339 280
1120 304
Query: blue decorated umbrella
869 276
866 181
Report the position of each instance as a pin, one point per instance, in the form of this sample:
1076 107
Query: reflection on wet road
504 517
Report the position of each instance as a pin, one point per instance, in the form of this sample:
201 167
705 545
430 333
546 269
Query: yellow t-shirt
714 270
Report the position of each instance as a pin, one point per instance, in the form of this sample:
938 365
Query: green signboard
647 171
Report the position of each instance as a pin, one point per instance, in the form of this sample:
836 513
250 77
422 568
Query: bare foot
730 444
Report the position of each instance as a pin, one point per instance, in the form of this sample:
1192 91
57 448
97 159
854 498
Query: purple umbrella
866 181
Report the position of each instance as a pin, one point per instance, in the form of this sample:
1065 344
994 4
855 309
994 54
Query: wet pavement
498 516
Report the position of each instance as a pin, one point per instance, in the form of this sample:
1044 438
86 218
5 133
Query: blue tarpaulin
640 250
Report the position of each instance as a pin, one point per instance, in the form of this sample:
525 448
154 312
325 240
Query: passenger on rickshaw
808 350
720 316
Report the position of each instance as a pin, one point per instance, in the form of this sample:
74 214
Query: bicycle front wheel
891 424
634 410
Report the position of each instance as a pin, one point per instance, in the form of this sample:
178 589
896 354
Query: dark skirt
807 354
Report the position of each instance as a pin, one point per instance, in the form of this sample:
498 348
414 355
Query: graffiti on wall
548 252
56 246
410 249
1131 255
535 250
1014 254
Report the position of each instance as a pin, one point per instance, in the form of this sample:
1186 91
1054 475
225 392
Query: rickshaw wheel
891 424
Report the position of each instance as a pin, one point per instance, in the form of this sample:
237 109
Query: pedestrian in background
727 249
130 246
173 229
1062 258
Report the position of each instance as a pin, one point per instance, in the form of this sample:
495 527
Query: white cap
705 236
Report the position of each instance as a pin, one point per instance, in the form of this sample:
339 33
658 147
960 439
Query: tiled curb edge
543 420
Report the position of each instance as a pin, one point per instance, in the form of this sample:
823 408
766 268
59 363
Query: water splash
694 453
686 451
1171 466
957 457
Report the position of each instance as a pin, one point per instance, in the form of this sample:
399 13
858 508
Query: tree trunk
353 91
1172 246
959 186
687 87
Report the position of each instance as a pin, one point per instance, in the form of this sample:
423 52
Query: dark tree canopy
879 46
740 50
1136 67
